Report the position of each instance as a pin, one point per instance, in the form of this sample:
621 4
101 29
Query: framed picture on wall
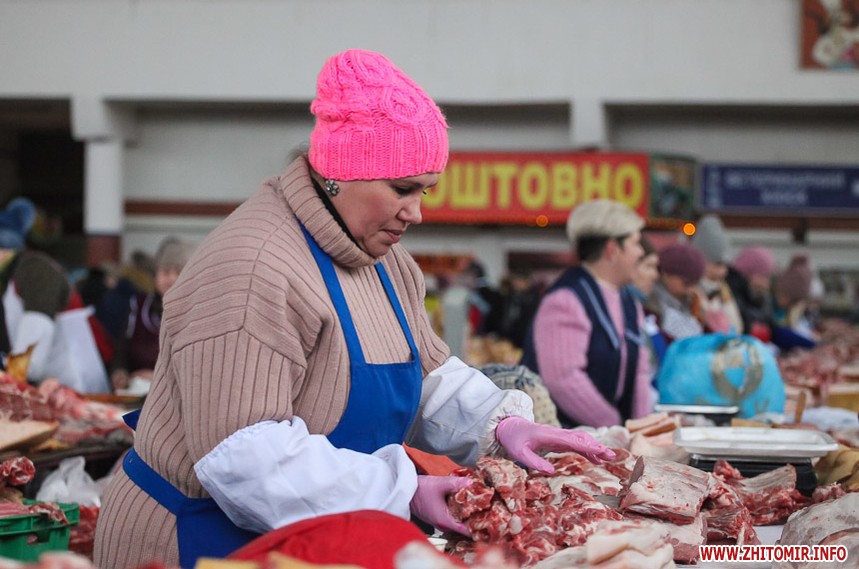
830 34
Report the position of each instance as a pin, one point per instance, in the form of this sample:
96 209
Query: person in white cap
721 313
586 341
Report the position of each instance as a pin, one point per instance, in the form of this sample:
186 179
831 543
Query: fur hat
373 122
794 283
15 222
602 218
755 260
684 261
710 238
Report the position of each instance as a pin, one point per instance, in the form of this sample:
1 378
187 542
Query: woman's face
646 273
378 212
165 277
715 272
759 284
678 287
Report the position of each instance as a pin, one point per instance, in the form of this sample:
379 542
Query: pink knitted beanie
373 122
755 260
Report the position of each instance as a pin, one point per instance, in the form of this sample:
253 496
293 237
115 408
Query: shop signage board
672 187
537 189
780 190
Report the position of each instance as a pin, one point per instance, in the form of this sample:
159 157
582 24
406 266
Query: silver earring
331 187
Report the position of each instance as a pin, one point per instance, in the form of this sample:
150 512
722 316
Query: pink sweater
561 334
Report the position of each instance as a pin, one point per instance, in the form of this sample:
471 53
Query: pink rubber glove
523 439
430 501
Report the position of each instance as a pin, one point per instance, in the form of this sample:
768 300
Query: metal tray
697 409
752 441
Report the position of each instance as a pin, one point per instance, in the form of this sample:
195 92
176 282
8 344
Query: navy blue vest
604 345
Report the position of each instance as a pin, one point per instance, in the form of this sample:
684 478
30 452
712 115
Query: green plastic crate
15 531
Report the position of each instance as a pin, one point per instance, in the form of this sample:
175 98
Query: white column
589 127
103 194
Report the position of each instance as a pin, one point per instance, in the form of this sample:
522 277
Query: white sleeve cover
273 473
459 410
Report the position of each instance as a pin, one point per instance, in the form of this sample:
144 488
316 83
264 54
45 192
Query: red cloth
431 464
368 538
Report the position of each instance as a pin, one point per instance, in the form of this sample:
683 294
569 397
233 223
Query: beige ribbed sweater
249 334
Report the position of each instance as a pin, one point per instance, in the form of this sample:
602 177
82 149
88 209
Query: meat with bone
575 470
627 544
728 519
521 513
510 511
770 497
666 490
507 479
834 522
685 538
580 514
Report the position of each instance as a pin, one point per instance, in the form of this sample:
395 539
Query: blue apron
383 401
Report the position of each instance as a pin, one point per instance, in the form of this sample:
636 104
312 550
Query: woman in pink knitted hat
296 355
750 278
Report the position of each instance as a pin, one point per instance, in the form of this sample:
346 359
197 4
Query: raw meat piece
82 535
51 510
580 514
631 559
493 524
569 558
13 509
613 537
828 492
653 424
658 446
770 497
728 519
19 401
685 538
577 471
472 499
637 544
579 482
667 490
507 479
622 465
16 471
79 419
813 524
835 522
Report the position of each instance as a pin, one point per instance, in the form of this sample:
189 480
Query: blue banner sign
798 190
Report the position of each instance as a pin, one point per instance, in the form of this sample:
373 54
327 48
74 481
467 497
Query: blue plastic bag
721 369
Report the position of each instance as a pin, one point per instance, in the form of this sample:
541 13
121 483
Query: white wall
212 94
460 50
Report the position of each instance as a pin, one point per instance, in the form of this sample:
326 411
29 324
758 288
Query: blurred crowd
687 287
93 328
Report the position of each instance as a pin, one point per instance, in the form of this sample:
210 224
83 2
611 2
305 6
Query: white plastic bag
76 361
70 483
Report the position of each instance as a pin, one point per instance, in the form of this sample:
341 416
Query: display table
100 459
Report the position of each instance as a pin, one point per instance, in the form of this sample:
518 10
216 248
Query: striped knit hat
373 122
